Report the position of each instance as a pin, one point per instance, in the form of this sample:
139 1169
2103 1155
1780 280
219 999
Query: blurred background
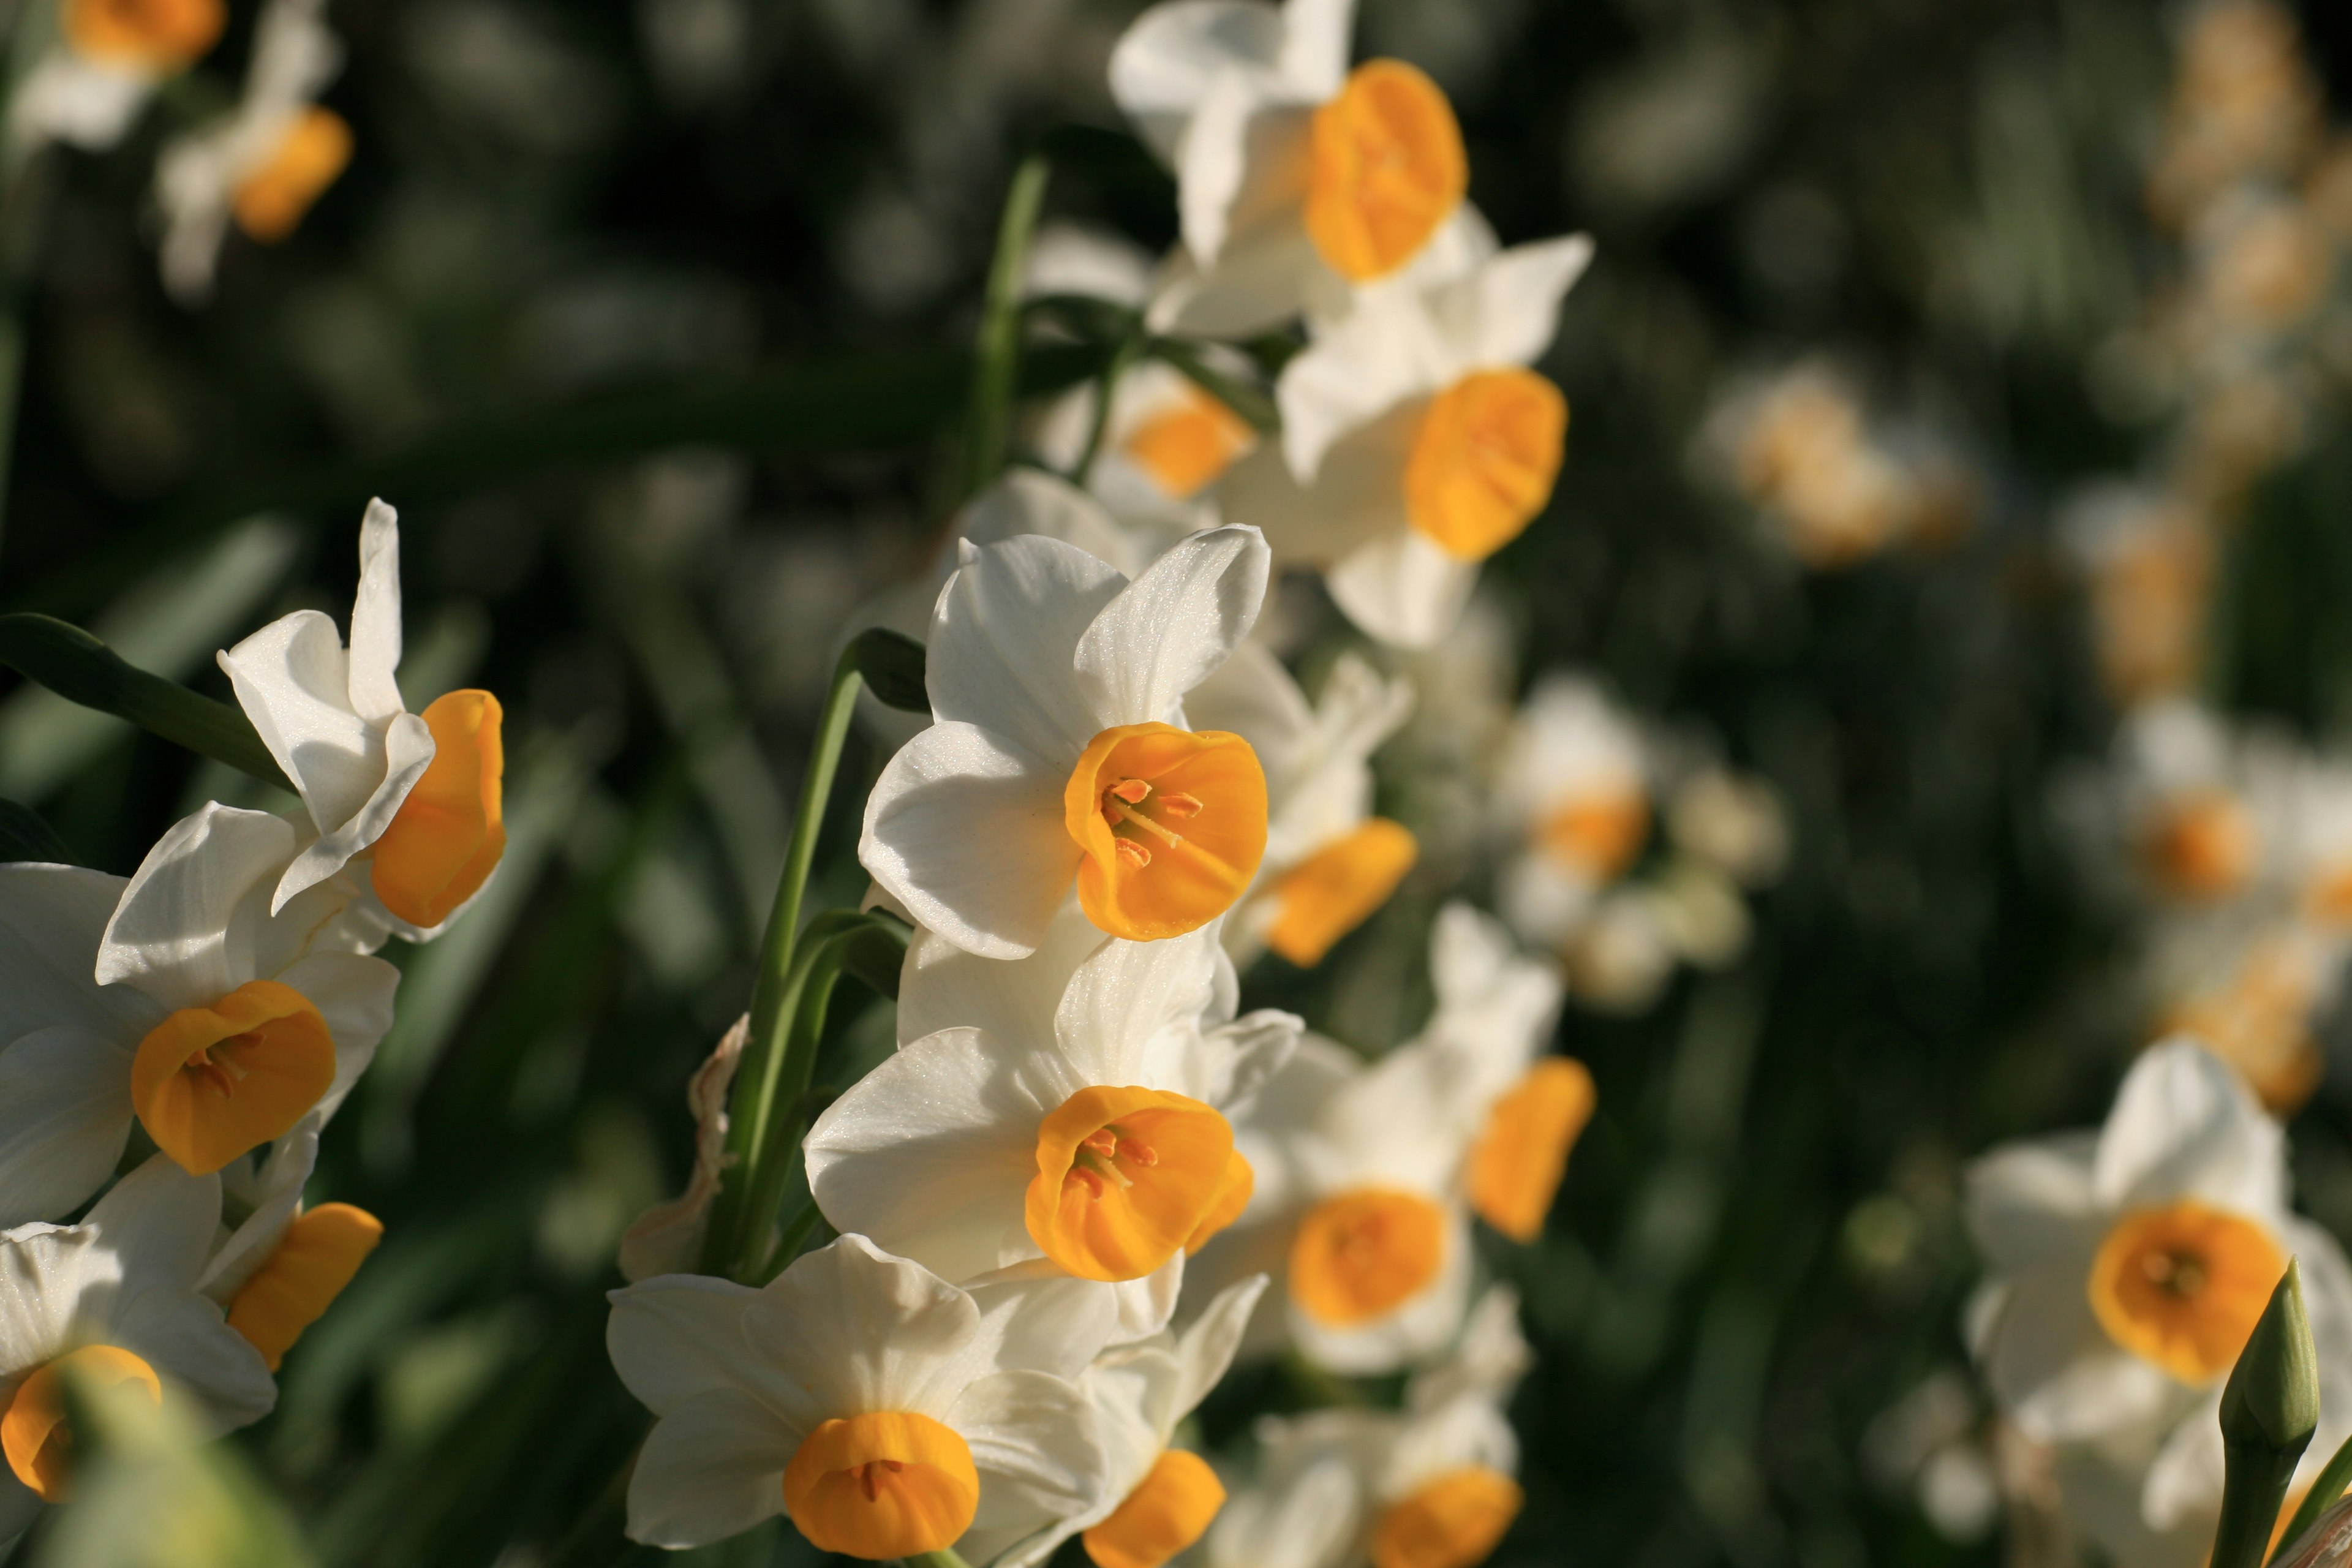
1955 374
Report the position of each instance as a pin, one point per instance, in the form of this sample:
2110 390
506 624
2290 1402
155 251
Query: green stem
1131 348
998 369
946 1557
736 1228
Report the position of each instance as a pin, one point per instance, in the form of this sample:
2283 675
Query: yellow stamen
1329 893
160 37
1185 447
446 839
314 1260
1168 1511
2201 846
1450 1522
1125 1178
1361 1254
209 1083
34 1432
2183 1285
1484 460
1385 169
891 1484
1516 1165
269 202
1597 837
1174 826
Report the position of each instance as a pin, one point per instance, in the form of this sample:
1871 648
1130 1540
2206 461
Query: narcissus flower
1576 783
1329 862
1296 179
114 1298
417 796
1059 755
262 164
1309 1518
176 999
110 57
1438 1476
283 1265
858 1393
1070 1106
2128 1268
1157 1499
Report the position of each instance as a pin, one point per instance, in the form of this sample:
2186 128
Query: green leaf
996 370
26 836
1252 402
80 669
2325 1491
892 665
875 951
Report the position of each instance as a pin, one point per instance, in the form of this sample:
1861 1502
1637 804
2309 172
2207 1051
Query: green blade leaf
875 951
80 669
24 835
892 665
1252 403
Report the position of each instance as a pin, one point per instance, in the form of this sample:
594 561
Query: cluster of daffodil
1085 1181
257 163
172 1045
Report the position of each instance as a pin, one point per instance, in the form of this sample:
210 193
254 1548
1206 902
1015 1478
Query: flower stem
736 1244
996 373
1130 347
946 1557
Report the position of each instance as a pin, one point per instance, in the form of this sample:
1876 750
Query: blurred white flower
1575 784
108 59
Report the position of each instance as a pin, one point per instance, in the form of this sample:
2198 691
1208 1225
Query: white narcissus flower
1307 1519
1576 786
1329 862
263 164
1438 1477
1415 440
2202 813
880 1407
1059 754
108 61
1070 1106
1157 1499
177 999
2128 1269
114 1298
418 797
283 1265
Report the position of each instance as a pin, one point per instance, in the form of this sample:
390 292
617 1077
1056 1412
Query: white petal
1259 281
712 1468
1002 641
677 1337
1242 168
1163 64
1315 45
1207 1347
274 1197
2059 1376
1381 355
44 1269
1251 695
852 1329
2185 1126
1506 311
1146 1305
1357 494
1033 1442
1306 1524
1402 589
65 1115
292 678
1029 501
1169 628
1127 993
2184 1481
354 996
406 752
931 1153
187 927
2031 1207
52 918
375 619
1463 1432
1543 899
965 829
1235 1060
941 986
1039 1318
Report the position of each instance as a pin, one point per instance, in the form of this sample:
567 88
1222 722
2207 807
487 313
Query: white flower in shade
1497 1011
1576 787
283 1265
1329 862
114 1298
263 164
1623 950
417 796
2147 560
1058 751
1415 440
884 1411
1069 1107
1157 1499
176 999
1732 823
1437 1478
1309 1518
1296 179
1358 1212
108 61
2251 984
2128 1269
2190 814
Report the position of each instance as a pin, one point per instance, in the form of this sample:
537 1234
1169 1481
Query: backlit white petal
1164 64
2184 1125
1167 630
1206 1348
2032 1205
292 678
850 1329
1001 639
186 929
1402 589
1033 1442
712 1468
678 1337
65 1115
1506 311
375 619
941 986
407 751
